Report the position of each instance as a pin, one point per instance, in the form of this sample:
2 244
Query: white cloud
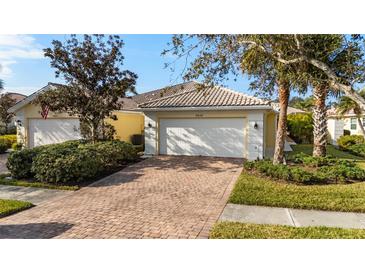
15 47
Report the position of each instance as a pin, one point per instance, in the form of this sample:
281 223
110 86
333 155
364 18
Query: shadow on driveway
33 230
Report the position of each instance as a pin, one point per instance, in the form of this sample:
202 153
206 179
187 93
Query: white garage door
51 131
205 137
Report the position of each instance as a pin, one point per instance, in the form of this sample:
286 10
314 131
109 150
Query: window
353 123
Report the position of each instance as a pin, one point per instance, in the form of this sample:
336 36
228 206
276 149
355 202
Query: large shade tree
95 82
6 102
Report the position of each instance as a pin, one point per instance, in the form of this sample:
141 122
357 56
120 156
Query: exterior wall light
19 122
149 125
255 126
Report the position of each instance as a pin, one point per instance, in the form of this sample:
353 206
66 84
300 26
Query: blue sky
24 69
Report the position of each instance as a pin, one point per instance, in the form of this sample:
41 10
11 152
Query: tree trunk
359 120
93 132
319 121
284 93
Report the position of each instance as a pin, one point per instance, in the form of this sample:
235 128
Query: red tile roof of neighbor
193 94
16 96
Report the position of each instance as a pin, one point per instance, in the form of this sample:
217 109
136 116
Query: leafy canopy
95 82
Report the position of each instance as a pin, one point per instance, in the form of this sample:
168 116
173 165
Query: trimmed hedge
71 162
6 142
327 170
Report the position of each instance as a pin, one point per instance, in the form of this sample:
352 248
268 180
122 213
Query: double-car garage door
50 131
221 137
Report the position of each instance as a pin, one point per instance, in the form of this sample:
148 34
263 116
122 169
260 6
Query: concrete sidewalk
291 217
30 194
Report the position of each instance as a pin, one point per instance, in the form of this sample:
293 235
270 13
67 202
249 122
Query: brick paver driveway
161 197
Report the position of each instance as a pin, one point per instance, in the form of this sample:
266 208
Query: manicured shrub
17 146
20 162
8 140
66 164
74 162
280 171
311 161
344 142
300 127
327 170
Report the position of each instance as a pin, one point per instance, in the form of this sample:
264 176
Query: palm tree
346 104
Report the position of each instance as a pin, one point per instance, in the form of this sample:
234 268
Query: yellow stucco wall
128 124
270 130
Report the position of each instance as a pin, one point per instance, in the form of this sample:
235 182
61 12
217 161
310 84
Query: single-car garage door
223 137
51 131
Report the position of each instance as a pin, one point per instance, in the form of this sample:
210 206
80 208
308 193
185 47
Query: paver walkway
30 194
161 197
292 217
3 159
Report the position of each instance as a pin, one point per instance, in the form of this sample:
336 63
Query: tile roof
290 110
193 94
163 92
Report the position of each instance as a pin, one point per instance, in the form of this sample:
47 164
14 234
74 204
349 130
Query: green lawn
254 190
331 151
8 207
232 230
15 182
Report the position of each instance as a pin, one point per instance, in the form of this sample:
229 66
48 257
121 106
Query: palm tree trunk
284 93
319 121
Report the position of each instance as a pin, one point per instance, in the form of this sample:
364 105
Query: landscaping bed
72 163
8 207
233 230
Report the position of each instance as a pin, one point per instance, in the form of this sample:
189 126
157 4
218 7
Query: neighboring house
213 121
184 119
337 124
33 130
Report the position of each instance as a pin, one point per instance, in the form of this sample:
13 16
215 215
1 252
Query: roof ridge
246 95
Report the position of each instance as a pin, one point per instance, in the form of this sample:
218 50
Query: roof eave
258 107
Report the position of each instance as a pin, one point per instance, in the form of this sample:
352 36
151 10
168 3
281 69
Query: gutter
208 108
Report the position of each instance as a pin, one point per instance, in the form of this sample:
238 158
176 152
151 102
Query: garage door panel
51 131
205 137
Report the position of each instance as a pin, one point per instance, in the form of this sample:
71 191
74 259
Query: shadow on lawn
33 231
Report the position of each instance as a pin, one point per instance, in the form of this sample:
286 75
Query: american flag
44 112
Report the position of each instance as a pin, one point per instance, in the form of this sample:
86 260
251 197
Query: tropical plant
300 127
305 104
95 82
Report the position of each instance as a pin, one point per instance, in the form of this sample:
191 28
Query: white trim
209 108
29 99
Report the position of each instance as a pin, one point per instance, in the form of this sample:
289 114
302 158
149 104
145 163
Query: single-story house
337 124
184 119
213 121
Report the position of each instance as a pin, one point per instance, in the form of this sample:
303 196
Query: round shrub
67 165
20 162
357 149
344 142
75 162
